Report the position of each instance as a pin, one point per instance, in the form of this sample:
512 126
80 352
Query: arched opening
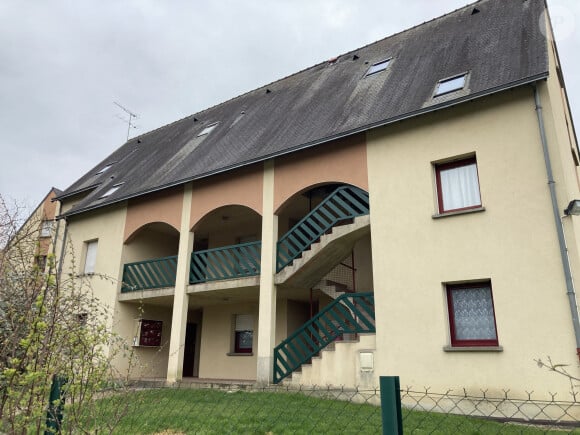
150 257
339 262
153 240
226 244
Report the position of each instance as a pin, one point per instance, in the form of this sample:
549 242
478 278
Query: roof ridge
302 70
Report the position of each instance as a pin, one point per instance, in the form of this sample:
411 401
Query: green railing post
391 405
55 406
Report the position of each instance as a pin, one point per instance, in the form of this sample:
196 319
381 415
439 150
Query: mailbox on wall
148 333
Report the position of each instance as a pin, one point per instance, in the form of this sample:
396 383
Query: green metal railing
143 275
344 203
227 262
348 314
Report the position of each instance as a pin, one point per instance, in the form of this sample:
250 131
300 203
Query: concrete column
180 299
267 308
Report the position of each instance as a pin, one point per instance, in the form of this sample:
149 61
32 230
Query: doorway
189 350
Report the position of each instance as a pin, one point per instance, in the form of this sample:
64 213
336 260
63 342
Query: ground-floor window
471 314
243 333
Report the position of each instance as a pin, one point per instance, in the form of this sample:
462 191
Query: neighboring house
35 238
409 193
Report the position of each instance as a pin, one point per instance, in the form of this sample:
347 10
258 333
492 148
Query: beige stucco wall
513 243
217 338
364 265
107 227
341 161
216 343
142 362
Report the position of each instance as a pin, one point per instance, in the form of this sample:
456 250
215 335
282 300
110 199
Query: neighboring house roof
500 46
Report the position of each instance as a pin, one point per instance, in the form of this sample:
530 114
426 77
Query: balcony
149 274
227 262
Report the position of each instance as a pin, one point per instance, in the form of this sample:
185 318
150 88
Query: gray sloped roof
500 47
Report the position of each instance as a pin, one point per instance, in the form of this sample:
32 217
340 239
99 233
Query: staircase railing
149 274
344 203
227 262
348 314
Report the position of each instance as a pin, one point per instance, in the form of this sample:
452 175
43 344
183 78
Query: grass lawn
203 411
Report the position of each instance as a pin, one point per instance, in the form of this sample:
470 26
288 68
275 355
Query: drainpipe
558 221
62 248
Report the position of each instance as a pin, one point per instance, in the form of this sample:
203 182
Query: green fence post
55 406
391 405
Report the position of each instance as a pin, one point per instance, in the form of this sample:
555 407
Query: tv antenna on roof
128 121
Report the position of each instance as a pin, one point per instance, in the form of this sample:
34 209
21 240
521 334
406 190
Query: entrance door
189 350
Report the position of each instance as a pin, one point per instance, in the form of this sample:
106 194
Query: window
40 261
104 168
471 315
378 67
46 229
457 185
112 190
149 333
450 85
208 129
244 333
90 256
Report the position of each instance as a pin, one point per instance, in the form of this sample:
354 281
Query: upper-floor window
208 129
450 85
457 185
90 256
111 190
378 67
104 168
46 228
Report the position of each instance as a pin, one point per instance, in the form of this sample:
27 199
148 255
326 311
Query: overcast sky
64 63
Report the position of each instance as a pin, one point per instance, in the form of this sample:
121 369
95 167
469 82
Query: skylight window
378 67
208 129
104 168
450 85
112 190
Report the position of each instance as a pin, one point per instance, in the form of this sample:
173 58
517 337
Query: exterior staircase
338 365
350 313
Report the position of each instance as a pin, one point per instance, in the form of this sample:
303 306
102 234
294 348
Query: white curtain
473 314
460 187
91 257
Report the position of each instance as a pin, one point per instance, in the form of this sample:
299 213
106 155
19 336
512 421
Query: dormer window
104 169
208 129
378 67
112 190
450 85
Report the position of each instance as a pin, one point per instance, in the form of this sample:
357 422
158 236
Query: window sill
240 354
473 349
459 212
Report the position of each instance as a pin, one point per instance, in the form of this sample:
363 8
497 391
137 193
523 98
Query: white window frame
89 265
451 84
46 228
377 67
243 323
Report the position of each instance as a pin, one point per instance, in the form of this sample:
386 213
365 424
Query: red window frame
467 343
237 346
451 165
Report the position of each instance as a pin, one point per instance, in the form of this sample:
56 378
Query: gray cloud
63 63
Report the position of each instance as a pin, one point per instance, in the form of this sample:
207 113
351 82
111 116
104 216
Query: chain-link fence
461 412
216 408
